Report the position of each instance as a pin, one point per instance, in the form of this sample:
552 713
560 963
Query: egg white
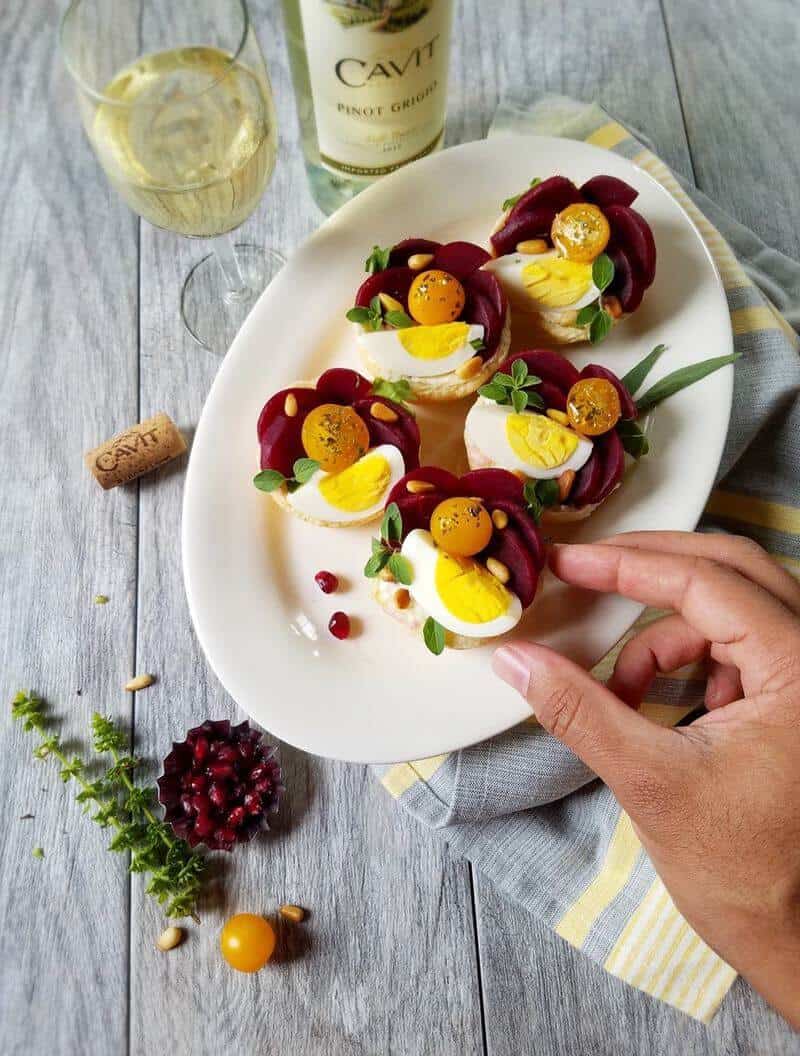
308 499
423 554
485 429
384 348
508 270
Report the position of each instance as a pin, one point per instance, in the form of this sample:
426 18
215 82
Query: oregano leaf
519 371
586 314
603 271
392 524
399 320
400 567
434 636
519 400
600 327
378 260
304 469
269 480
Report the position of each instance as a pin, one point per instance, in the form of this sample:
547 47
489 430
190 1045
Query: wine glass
176 101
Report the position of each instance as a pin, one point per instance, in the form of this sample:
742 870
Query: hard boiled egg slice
458 592
353 494
420 351
530 442
544 282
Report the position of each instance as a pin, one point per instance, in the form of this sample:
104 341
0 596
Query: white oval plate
249 567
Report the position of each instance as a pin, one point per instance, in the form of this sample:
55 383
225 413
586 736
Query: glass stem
225 252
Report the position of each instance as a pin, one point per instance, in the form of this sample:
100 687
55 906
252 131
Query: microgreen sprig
378 260
397 391
509 203
514 388
539 494
176 871
374 317
272 479
385 552
596 318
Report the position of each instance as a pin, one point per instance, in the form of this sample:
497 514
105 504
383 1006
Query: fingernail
511 665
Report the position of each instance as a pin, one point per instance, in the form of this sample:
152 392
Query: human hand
716 803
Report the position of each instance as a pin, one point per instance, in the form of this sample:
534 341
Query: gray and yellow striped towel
511 805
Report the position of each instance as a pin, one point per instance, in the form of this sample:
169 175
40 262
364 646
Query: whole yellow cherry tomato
335 436
436 297
461 526
593 406
581 232
247 942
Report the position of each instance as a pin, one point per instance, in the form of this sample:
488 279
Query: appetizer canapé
575 260
428 314
331 451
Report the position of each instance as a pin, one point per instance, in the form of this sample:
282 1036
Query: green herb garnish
634 379
176 872
399 320
633 439
433 635
513 388
592 315
539 494
509 203
272 479
397 391
378 260
101 599
681 379
385 550
371 318
38 852
477 344
603 272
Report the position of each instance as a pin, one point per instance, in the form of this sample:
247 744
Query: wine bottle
370 80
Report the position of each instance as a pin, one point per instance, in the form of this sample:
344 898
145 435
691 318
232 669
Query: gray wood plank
737 67
68 308
386 962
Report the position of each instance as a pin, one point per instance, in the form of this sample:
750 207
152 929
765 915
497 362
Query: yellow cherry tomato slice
461 527
335 436
247 942
593 406
435 297
581 232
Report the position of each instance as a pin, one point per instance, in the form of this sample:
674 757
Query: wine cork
140 449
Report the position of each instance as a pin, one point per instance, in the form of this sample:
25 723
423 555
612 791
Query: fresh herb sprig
596 318
514 388
272 479
433 634
374 317
509 203
176 871
397 391
378 260
385 553
539 494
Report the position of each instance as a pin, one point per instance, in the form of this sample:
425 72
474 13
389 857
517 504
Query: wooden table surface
407 951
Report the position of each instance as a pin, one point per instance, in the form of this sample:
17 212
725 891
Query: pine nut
418 261
498 569
402 598
382 412
558 416
140 682
290 405
532 245
169 938
389 303
417 487
470 368
565 482
293 913
499 519
613 307
386 575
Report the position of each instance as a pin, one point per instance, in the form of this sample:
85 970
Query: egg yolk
539 440
435 297
580 231
359 487
468 590
555 282
593 406
461 526
433 342
334 436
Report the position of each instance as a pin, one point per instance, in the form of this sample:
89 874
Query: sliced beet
628 285
408 248
547 365
487 285
306 398
489 484
442 480
394 281
525 525
626 403
340 385
517 229
480 310
403 433
511 549
459 258
631 232
613 458
587 480
608 190
281 445
553 395
556 193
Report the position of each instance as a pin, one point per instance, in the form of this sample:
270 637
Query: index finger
746 625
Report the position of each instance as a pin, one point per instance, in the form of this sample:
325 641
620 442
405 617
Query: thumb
627 751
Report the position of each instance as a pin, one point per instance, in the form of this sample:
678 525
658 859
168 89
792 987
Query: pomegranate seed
236 817
257 773
263 786
238 791
221 771
339 625
200 749
227 754
252 803
186 803
198 782
217 795
203 825
201 804
225 835
327 582
246 749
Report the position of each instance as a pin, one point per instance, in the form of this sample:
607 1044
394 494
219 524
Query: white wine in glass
185 133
